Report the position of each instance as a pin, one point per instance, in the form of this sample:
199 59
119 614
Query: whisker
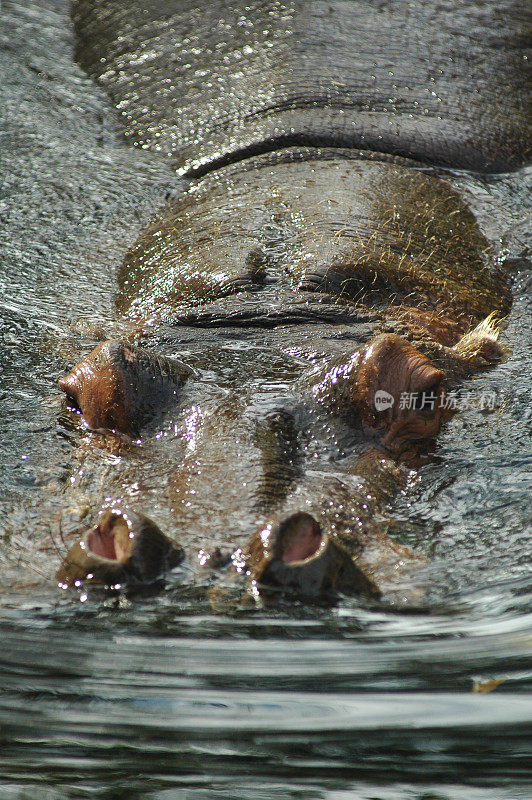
56 548
38 572
61 531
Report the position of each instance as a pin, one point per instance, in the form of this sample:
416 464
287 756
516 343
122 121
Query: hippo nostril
299 538
122 547
110 538
305 546
101 542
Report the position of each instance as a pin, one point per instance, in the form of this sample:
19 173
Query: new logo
383 400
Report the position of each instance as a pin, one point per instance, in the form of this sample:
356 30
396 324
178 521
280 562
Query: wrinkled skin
341 274
280 229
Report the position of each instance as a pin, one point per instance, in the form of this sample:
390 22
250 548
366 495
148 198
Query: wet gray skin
304 278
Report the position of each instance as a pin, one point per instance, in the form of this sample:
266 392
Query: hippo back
211 83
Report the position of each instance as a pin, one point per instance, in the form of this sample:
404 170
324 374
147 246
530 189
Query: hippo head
297 557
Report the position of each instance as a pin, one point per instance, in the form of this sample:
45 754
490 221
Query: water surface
162 698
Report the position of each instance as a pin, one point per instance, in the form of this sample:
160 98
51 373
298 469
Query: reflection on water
141 697
159 698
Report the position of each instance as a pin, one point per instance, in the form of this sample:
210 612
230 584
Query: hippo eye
427 399
72 404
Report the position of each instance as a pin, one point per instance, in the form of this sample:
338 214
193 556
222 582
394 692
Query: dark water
162 698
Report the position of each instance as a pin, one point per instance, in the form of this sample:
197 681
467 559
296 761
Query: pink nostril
299 538
101 542
305 545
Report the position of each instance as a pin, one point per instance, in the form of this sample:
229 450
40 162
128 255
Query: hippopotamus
304 302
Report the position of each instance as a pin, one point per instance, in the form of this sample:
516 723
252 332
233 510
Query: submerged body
376 259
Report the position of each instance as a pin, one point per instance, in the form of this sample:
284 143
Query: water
160 697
